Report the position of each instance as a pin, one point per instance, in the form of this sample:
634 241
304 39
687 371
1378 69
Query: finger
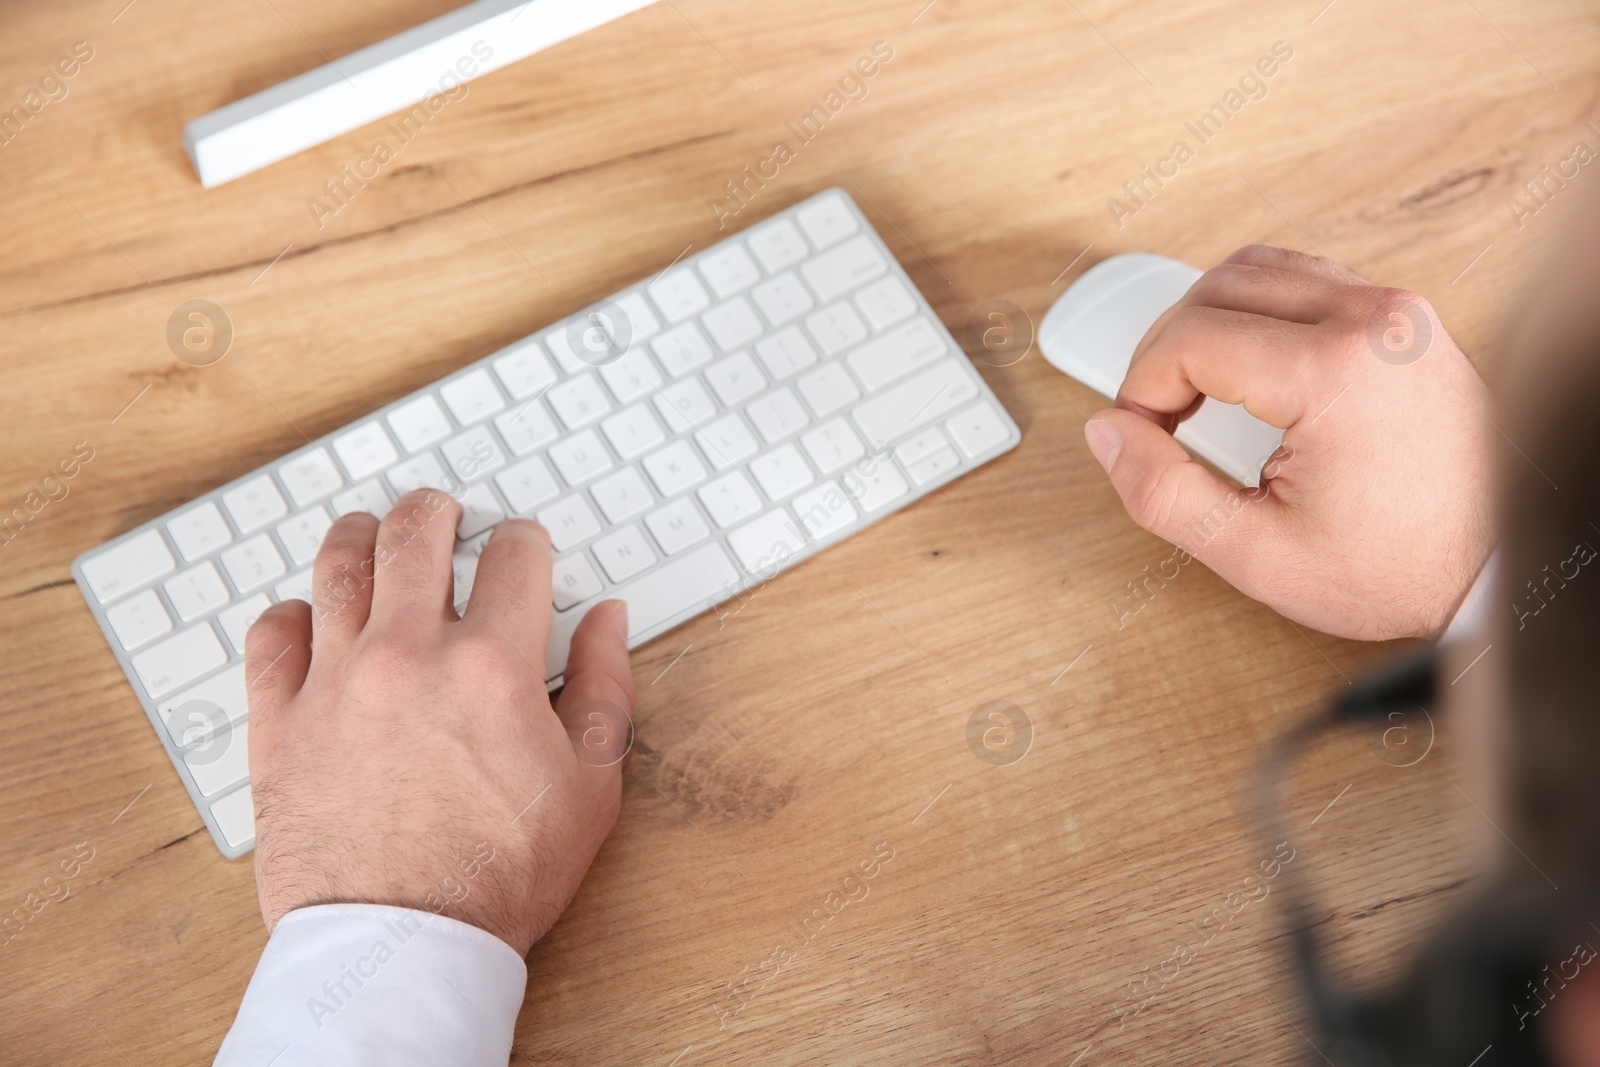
596 704
341 580
1223 287
1280 294
414 580
1299 262
1256 290
1266 364
277 655
1176 498
511 592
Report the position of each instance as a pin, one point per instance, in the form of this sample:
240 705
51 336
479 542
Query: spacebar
699 579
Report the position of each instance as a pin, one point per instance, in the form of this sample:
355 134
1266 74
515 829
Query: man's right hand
1376 515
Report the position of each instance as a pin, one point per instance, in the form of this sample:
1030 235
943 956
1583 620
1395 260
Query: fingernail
619 618
521 528
1104 441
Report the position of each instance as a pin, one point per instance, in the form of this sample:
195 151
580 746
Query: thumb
596 704
1175 497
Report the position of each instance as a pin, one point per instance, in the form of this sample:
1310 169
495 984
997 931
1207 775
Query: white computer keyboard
683 441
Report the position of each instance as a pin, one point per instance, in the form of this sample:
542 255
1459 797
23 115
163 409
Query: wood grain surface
824 725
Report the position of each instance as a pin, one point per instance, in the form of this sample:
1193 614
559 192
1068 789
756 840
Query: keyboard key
579 401
607 330
572 581
237 620
690 583
674 468
632 376
236 817
875 486
479 510
624 554
199 530
420 472
677 526
886 302
778 245
369 496
682 349
221 761
915 401
580 457
302 535
183 658
569 521
919 445
782 299
472 397
633 432
295 587
473 454
253 564
309 477
735 379
836 327
733 324
977 429
728 270
225 690
685 405
726 441
833 446
781 472
827 389
525 370
475 546
255 503
897 353
730 499
463 570
135 562
777 415
678 294
196 591
596 336
639 322
525 427
622 495
765 544
560 346
418 424
464 566
786 353
828 220
934 466
527 485
139 620
837 271
824 510
364 451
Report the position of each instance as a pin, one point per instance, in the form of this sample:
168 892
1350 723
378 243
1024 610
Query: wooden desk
778 748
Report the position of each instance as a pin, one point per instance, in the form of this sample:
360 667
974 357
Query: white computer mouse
1091 332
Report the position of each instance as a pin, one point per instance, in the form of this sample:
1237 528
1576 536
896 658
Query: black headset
1474 995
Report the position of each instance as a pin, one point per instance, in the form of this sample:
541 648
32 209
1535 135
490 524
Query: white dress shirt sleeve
1471 616
355 985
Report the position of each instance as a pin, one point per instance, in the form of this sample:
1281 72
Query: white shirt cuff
363 984
1474 610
